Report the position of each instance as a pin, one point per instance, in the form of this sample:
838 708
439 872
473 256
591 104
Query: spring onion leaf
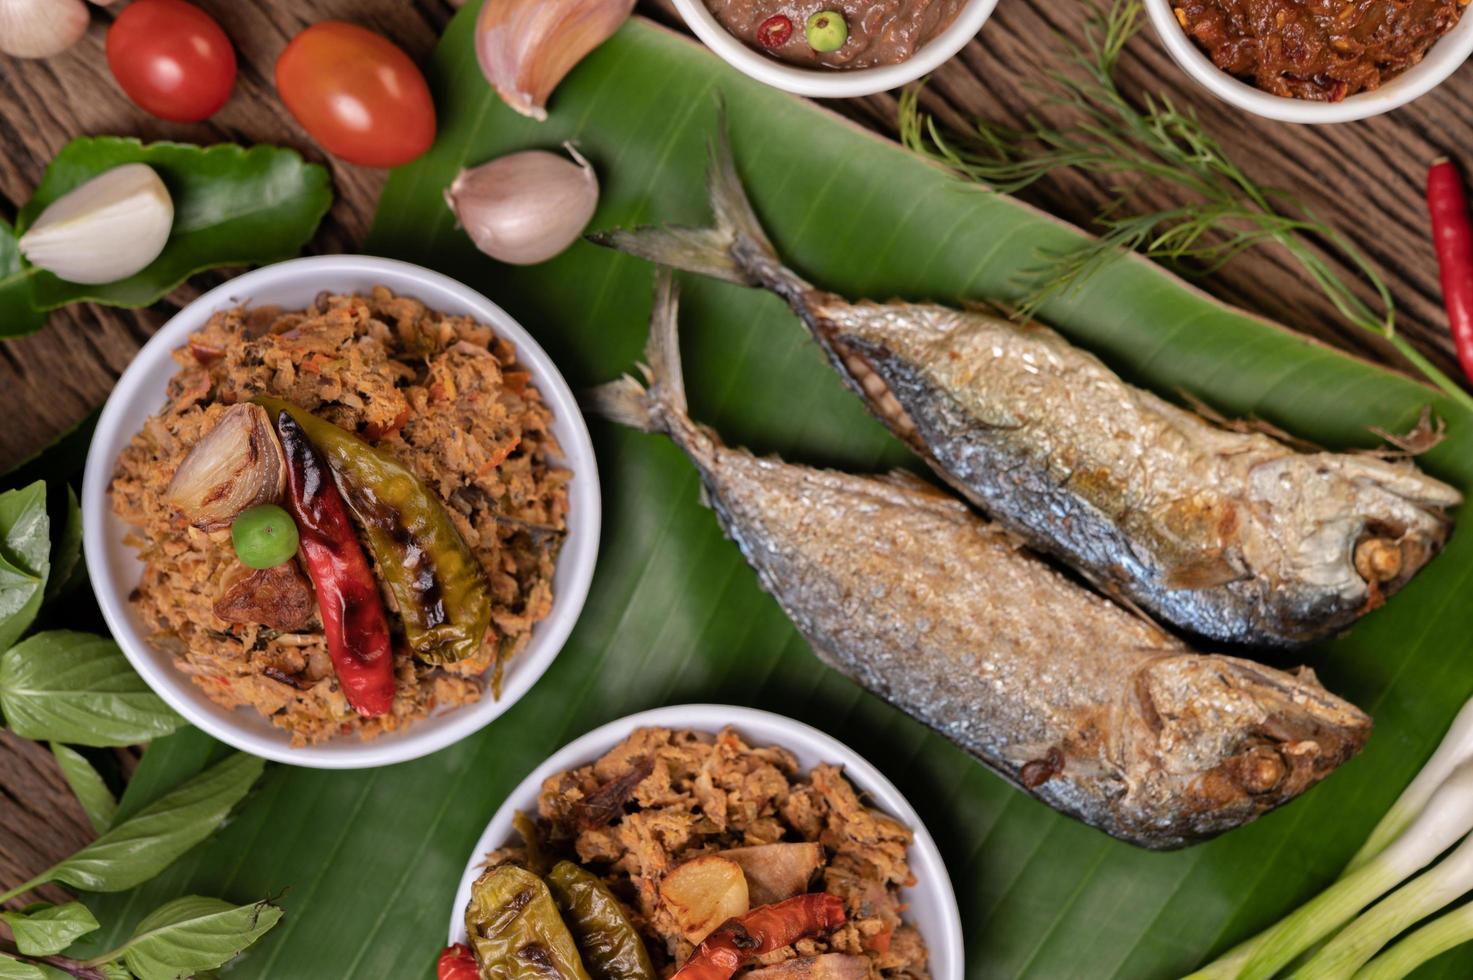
1433 939
1447 817
1447 881
1456 747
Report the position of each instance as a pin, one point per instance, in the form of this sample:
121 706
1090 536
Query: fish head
1212 742
1335 534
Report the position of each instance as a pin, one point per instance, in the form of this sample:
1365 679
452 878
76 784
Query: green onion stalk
1456 747
1439 936
1446 882
1444 820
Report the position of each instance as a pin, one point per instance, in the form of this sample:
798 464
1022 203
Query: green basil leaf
97 800
25 559
66 551
138 849
190 934
13 969
232 206
79 688
49 930
18 312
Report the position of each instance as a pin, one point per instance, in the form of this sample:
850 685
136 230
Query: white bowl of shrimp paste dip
889 43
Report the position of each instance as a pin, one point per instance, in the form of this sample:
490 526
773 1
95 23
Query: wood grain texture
40 821
1363 177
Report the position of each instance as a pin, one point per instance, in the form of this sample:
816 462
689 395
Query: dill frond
1149 142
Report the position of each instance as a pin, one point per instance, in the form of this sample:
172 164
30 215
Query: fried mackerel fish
1091 709
1231 535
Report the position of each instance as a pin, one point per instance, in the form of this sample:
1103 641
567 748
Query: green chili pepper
537 860
611 946
516 931
437 583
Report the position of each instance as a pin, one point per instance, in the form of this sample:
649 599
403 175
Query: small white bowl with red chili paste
707 842
1315 65
835 49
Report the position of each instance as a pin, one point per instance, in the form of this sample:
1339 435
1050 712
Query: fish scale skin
1233 536
1095 711
1010 415
910 594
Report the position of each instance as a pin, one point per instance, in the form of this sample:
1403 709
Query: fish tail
736 249
658 403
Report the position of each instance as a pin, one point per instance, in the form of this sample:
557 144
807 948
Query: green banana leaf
369 860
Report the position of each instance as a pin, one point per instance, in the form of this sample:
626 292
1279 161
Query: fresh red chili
1452 234
457 963
737 942
347 595
774 31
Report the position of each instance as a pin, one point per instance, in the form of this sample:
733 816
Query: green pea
827 31
264 536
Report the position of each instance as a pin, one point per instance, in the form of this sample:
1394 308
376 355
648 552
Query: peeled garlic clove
527 207
41 28
108 229
236 465
525 47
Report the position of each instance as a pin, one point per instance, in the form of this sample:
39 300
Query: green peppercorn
827 31
264 536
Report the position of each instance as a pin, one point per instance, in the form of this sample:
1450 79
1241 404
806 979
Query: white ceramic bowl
114 569
931 903
830 83
1443 58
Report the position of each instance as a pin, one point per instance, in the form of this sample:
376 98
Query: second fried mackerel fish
1091 709
1233 536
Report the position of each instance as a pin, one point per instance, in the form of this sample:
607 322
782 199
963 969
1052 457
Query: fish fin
656 404
624 401
729 200
703 250
1205 573
736 249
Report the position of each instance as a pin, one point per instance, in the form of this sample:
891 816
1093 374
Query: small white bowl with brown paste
835 48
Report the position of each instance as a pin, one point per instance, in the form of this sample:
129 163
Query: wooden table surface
1365 178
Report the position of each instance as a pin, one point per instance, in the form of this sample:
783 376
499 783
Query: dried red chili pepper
737 942
774 31
1452 234
347 595
457 963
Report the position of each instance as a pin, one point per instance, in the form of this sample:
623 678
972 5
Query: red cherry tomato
172 59
456 963
356 94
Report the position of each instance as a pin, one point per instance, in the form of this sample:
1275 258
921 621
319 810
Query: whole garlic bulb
107 229
527 207
41 28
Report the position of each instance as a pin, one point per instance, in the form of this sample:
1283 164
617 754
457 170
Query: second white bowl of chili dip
1305 62
834 49
341 512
